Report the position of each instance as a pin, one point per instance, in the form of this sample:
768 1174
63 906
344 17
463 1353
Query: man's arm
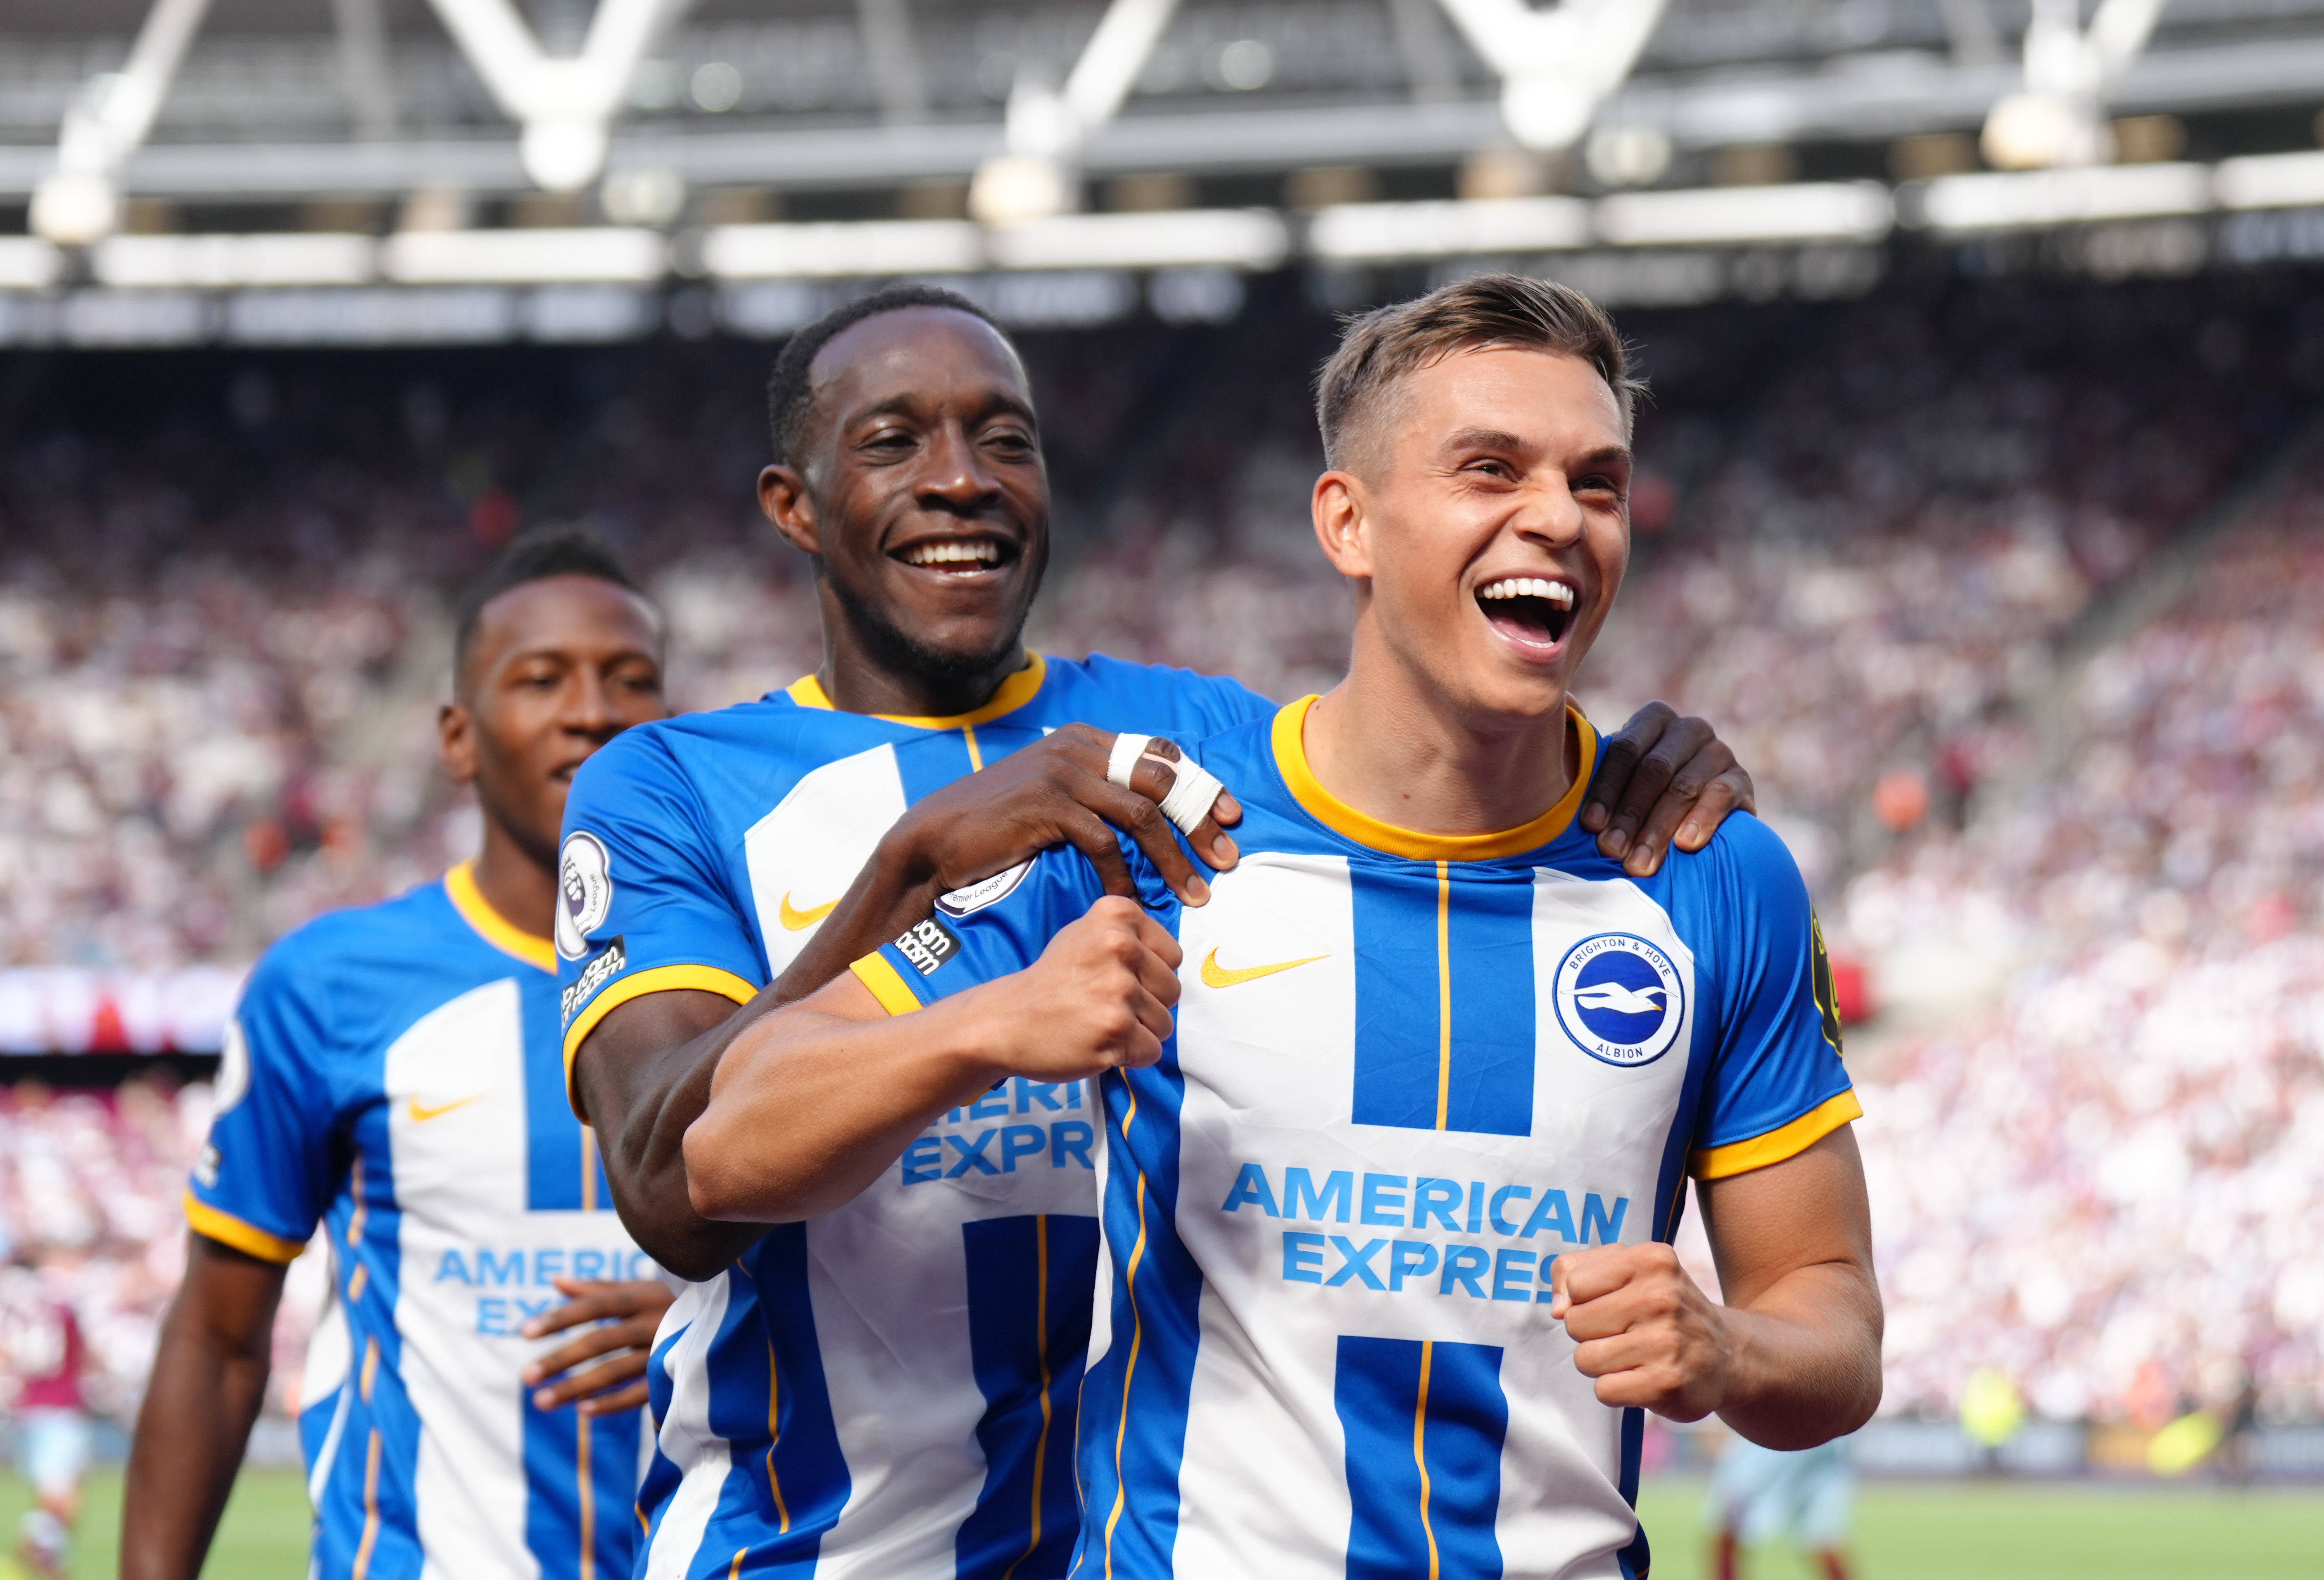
1792 1358
208 1381
814 1102
643 1074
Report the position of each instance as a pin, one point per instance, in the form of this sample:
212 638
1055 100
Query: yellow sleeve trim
229 1230
876 973
660 979
1717 1162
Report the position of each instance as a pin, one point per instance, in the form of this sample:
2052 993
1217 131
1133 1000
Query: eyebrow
997 400
1480 439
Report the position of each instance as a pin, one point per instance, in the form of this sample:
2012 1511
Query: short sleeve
643 905
1776 1086
263 1180
981 932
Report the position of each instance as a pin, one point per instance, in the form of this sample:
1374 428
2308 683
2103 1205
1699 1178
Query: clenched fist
1099 998
1643 1329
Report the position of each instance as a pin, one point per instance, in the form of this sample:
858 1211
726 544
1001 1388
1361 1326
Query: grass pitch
1958 1531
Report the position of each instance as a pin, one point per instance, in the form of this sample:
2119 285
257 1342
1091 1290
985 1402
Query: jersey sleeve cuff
226 1229
660 979
1740 1157
887 985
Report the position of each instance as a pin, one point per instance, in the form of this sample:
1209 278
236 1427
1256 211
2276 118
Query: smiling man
891 1388
393 1072
1397 1124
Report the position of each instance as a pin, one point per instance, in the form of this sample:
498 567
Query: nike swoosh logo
794 918
421 1112
1215 975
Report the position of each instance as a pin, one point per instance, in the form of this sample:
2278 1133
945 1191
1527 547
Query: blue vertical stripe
1029 1320
1423 1422
553 1145
1445 1031
1133 1410
929 762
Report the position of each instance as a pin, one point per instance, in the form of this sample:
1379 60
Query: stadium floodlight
28 264
1556 66
523 257
81 202
2025 199
1859 211
1352 232
836 251
2058 119
1039 176
2272 180
565 103
1242 238
227 260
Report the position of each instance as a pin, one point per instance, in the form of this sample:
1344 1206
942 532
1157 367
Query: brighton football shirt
887 1389
1408 1072
393 1073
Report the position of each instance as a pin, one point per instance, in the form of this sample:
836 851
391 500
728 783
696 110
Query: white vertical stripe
456 1111
803 854
703 1457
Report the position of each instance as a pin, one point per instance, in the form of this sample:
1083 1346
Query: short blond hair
1380 349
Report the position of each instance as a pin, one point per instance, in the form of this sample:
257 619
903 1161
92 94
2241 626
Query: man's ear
784 500
455 741
1340 507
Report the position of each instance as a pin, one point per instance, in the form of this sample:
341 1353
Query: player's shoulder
350 967
746 749
1115 693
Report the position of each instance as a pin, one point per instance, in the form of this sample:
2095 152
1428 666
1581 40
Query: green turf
264 1536
1906 1531
1968 1531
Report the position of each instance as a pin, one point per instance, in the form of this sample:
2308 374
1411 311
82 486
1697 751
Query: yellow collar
1015 691
503 935
1333 813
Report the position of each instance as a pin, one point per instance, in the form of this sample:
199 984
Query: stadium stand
1994 583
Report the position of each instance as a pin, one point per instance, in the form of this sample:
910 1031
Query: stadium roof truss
646 113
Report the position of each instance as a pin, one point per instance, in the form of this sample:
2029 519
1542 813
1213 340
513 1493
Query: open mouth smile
956 559
1531 613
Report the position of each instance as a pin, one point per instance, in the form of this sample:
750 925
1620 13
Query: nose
1551 514
955 477
588 710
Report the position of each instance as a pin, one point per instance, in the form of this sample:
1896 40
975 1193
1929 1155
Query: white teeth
1557 593
939 554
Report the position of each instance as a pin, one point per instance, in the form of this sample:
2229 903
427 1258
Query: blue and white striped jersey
394 1072
1409 1072
888 1390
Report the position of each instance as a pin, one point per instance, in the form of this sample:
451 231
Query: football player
890 1387
393 1073
1398 1121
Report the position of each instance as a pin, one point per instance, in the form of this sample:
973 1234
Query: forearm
204 1394
1803 1357
895 889
808 1109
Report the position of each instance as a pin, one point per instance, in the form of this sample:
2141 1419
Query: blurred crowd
1996 587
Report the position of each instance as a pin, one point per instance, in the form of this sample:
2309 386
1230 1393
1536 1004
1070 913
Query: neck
866 671
515 883
1393 747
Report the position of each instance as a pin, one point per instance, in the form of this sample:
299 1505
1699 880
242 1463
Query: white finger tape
1122 760
1193 791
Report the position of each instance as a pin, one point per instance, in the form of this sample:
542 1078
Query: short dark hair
535 555
1379 349
789 399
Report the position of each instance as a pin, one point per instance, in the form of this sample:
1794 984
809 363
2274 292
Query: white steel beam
565 103
1048 127
79 203
2058 117
1556 66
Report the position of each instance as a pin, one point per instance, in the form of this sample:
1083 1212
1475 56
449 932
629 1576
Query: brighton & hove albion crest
584 891
1620 998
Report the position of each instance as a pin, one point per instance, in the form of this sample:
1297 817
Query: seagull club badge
1620 999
